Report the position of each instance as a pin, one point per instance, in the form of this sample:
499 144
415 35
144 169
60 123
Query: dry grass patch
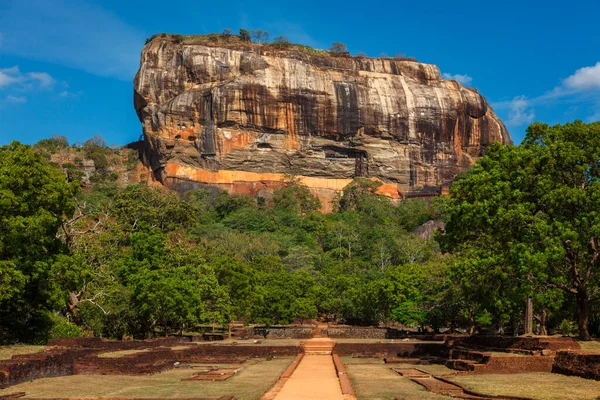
350 340
120 353
7 352
346 360
433 369
175 348
378 382
260 342
248 384
542 386
592 346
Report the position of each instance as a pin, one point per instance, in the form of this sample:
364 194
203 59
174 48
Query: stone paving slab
314 378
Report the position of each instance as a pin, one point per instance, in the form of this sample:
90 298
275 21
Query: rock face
242 117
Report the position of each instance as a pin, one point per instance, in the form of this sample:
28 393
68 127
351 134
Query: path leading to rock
315 377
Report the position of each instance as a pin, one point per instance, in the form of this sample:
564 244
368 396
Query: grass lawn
7 352
347 340
592 346
539 385
378 382
356 360
248 384
263 342
120 353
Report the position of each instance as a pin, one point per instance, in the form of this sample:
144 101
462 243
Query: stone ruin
465 354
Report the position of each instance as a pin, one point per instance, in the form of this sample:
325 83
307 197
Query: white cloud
15 99
9 76
520 111
66 93
72 33
586 78
582 87
44 78
463 79
14 78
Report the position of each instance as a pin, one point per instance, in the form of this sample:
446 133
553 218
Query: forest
131 260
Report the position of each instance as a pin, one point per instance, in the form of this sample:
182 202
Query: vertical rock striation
241 117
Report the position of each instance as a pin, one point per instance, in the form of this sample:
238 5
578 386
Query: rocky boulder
241 117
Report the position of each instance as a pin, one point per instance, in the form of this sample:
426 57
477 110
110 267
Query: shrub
338 48
566 327
245 35
62 328
56 142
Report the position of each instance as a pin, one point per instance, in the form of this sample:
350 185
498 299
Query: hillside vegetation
114 259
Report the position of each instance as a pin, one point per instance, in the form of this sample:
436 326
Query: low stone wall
255 351
129 398
117 345
380 350
274 332
34 366
74 361
516 343
580 364
352 332
516 364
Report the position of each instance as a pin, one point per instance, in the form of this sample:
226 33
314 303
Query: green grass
378 382
248 384
592 346
540 385
7 352
119 354
355 360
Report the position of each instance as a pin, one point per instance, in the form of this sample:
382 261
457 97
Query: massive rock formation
241 117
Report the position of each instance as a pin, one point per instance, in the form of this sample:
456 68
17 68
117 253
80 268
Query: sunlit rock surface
241 118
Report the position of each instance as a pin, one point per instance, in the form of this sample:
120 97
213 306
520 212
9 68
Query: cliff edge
240 117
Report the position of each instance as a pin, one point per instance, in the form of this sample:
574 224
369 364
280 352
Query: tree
532 213
362 54
96 149
400 55
294 196
244 35
359 193
35 197
338 48
226 32
260 36
53 144
281 39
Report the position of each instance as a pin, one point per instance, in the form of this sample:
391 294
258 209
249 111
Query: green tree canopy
35 197
531 215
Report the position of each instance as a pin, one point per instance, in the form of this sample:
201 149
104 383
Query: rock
241 117
427 230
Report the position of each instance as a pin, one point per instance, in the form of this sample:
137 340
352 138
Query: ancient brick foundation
380 333
577 364
274 332
371 350
81 360
509 343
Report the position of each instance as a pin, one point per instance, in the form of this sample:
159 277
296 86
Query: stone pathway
315 377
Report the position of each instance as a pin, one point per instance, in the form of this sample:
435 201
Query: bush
338 48
62 328
56 142
566 327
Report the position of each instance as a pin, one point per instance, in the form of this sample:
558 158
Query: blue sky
66 66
